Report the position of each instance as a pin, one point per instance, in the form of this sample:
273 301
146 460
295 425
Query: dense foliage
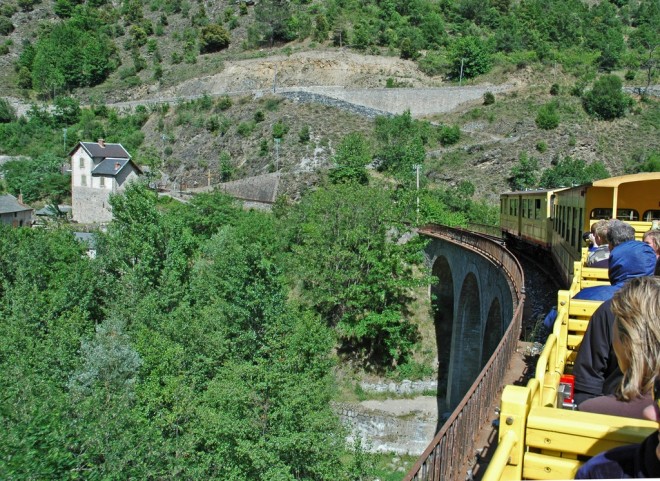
459 39
179 351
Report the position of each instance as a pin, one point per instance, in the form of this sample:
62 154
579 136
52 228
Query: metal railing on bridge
447 453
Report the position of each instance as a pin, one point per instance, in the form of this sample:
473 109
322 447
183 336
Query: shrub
489 98
213 38
259 116
6 27
630 75
7 112
554 89
303 135
547 117
223 103
541 146
606 100
280 129
449 135
431 64
244 129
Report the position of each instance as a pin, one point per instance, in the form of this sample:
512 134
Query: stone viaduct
472 305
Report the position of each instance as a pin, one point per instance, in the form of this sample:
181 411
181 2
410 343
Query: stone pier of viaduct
472 304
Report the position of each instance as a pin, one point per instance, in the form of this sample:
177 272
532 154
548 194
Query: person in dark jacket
596 371
636 345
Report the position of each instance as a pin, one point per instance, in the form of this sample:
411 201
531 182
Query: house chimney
101 143
20 197
117 165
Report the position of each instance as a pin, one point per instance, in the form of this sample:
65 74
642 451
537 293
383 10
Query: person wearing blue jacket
596 370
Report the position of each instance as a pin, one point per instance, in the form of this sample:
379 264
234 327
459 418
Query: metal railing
447 453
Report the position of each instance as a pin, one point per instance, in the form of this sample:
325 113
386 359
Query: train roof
623 179
533 191
609 182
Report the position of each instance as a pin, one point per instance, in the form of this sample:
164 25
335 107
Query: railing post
513 418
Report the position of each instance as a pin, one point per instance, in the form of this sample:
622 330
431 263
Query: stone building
98 170
13 212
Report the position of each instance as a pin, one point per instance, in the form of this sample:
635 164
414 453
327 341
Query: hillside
493 137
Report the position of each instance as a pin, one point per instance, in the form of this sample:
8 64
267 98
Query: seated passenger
636 344
619 271
595 370
652 238
599 256
634 461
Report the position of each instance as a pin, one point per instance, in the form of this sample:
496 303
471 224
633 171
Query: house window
102 181
83 180
82 162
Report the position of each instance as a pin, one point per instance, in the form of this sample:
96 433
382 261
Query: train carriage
555 219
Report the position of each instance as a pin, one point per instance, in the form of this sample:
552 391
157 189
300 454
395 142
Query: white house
97 170
13 212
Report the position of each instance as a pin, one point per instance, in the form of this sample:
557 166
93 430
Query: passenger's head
652 238
619 232
629 260
599 230
636 335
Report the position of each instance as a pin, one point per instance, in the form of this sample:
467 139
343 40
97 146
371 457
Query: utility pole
275 79
417 167
460 80
277 154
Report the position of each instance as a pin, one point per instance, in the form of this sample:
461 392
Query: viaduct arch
471 299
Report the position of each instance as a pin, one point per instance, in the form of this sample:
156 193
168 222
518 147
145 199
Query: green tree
351 158
569 172
69 56
606 100
470 56
524 175
272 17
7 111
66 111
351 269
213 38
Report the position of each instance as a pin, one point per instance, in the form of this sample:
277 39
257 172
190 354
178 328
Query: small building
98 170
13 212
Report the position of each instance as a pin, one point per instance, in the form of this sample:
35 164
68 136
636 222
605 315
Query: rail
447 453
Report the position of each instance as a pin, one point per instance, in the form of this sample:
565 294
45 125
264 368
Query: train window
537 209
524 207
651 215
601 213
574 228
627 214
529 208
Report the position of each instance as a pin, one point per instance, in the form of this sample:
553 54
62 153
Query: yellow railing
538 440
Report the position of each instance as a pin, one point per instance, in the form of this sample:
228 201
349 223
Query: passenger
617 274
599 257
632 461
652 238
595 370
636 344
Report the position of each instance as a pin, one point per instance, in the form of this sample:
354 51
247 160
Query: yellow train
554 219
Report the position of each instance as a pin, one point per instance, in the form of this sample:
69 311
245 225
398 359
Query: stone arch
442 302
492 334
466 343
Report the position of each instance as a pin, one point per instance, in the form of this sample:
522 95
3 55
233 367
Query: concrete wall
477 298
382 431
261 188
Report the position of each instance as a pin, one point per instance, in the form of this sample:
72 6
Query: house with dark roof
98 170
13 212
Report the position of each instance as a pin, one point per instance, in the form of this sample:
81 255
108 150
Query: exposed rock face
402 426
